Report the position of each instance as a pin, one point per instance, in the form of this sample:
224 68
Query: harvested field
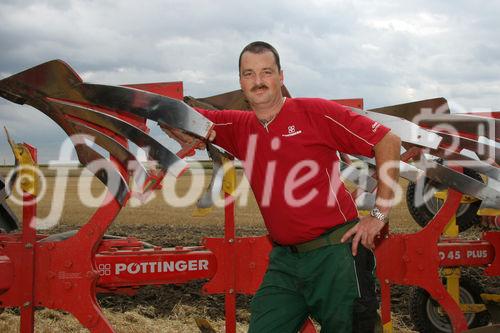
169 308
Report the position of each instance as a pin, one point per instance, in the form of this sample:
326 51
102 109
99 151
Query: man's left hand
365 231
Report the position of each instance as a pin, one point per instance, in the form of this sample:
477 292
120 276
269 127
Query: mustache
260 86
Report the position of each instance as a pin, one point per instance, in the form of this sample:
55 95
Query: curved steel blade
53 78
214 189
101 167
490 195
406 130
155 150
116 149
362 179
452 158
162 109
468 124
410 111
56 78
484 150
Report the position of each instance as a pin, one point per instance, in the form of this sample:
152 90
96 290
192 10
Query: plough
66 271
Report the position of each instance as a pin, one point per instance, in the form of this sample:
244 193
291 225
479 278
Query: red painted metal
494 268
170 89
352 102
460 252
28 240
252 254
67 274
413 259
125 268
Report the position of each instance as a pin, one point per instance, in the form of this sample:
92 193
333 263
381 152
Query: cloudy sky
387 52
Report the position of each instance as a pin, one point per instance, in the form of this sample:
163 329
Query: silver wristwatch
376 213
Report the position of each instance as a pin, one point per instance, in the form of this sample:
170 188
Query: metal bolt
26 304
231 291
28 245
387 281
231 240
92 274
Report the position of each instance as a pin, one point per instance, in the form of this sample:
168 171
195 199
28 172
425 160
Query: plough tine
363 180
103 169
467 124
167 160
53 78
467 162
484 150
116 149
463 183
215 187
406 130
164 110
490 195
411 110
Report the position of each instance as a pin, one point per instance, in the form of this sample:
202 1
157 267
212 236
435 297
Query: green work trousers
328 284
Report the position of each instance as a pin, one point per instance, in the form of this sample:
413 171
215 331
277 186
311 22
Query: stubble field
169 308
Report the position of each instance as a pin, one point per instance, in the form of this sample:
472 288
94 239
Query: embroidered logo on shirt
291 131
375 126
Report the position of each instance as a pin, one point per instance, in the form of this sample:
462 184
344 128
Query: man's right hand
187 141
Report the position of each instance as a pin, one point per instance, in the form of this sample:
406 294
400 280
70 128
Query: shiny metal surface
164 110
357 176
101 167
214 189
489 193
460 182
156 151
467 124
86 155
116 149
415 110
485 151
57 79
406 130
451 158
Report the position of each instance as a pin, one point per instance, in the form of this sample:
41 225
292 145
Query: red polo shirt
292 163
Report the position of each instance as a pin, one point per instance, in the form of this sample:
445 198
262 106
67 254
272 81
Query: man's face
260 78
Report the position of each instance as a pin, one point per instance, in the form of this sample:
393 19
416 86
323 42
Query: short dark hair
260 47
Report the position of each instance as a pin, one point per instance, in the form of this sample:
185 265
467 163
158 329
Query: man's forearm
387 156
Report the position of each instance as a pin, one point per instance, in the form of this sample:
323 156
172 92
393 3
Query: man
318 266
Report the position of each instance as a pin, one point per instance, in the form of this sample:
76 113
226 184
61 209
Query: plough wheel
423 212
427 317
